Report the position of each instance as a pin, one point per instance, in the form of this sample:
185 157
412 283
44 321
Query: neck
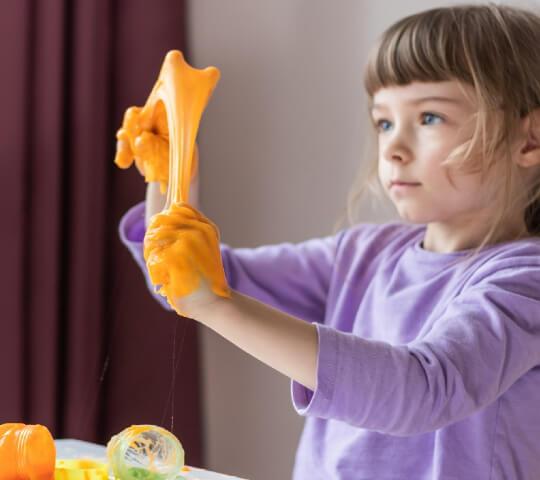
448 237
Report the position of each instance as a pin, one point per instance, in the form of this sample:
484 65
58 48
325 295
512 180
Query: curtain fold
86 351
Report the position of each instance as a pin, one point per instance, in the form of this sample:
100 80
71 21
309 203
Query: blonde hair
494 49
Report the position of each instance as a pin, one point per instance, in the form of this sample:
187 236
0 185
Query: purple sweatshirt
426 369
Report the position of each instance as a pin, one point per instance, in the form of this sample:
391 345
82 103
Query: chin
414 216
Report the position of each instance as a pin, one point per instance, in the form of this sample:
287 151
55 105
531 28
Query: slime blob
145 452
27 452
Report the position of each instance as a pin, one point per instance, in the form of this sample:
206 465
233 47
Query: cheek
436 176
384 170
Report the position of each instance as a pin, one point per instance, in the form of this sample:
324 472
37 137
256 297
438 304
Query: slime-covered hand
181 249
143 139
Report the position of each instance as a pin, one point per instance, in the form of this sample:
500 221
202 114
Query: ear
529 152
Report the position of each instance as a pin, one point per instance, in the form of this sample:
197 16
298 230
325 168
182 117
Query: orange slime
143 137
181 246
27 452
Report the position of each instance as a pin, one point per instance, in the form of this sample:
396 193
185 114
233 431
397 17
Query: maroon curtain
85 349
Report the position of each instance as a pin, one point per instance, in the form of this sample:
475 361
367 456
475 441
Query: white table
69 448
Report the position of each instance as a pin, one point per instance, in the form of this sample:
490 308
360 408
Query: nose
396 148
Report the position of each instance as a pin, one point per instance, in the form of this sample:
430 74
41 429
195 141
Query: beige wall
280 143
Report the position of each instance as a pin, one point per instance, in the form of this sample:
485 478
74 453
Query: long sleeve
294 278
484 341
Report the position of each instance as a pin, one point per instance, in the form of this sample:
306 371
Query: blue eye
382 125
431 118
428 118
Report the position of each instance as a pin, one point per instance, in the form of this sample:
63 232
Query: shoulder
512 265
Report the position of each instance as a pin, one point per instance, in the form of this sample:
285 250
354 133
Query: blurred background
85 349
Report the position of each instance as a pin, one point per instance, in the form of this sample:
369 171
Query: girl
413 347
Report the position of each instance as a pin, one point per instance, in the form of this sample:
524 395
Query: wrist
155 201
202 305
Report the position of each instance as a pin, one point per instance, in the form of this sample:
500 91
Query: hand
144 139
181 249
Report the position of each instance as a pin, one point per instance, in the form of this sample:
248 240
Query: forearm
285 343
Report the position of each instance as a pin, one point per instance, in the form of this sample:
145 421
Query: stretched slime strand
185 92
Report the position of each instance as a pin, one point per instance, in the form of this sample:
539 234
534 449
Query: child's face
415 135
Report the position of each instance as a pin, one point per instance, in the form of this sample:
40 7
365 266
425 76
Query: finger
153 154
124 155
177 278
202 243
187 238
139 164
185 279
169 231
157 270
131 119
169 238
183 221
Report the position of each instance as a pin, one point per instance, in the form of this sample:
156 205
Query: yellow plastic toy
80 470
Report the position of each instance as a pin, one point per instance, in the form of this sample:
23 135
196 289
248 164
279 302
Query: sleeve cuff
318 402
225 260
132 228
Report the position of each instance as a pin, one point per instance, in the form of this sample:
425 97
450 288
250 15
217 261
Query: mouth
397 183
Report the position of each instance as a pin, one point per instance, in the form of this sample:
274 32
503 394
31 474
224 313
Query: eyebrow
423 100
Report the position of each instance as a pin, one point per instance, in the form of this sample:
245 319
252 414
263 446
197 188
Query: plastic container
145 452
26 452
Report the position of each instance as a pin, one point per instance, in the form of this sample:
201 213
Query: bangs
420 47
493 49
